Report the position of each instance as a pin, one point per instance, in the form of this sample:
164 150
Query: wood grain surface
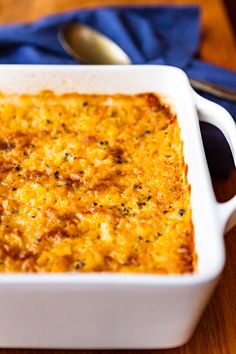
216 333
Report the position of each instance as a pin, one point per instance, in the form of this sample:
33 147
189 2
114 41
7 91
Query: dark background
231 9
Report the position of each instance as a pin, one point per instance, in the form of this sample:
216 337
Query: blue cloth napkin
150 35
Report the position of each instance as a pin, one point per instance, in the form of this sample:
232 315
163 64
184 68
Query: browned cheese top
93 183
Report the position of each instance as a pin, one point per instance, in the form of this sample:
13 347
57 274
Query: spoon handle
213 90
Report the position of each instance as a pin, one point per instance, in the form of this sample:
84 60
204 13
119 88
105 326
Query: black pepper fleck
137 186
140 204
56 174
79 264
125 212
103 142
18 168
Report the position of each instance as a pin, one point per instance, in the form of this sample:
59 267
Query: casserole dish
123 310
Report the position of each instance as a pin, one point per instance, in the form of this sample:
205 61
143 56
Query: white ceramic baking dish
120 310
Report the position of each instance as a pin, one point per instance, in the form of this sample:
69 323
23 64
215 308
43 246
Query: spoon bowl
89 46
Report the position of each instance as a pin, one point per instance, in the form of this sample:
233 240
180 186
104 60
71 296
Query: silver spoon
88 46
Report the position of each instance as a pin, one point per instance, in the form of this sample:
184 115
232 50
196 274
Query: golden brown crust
93 183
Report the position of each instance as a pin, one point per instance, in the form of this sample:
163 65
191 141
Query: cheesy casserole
93 183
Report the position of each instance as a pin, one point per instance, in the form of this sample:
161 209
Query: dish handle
213 113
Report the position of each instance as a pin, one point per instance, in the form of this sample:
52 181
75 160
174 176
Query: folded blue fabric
149 35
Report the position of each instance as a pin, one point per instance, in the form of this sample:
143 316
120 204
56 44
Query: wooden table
216 333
